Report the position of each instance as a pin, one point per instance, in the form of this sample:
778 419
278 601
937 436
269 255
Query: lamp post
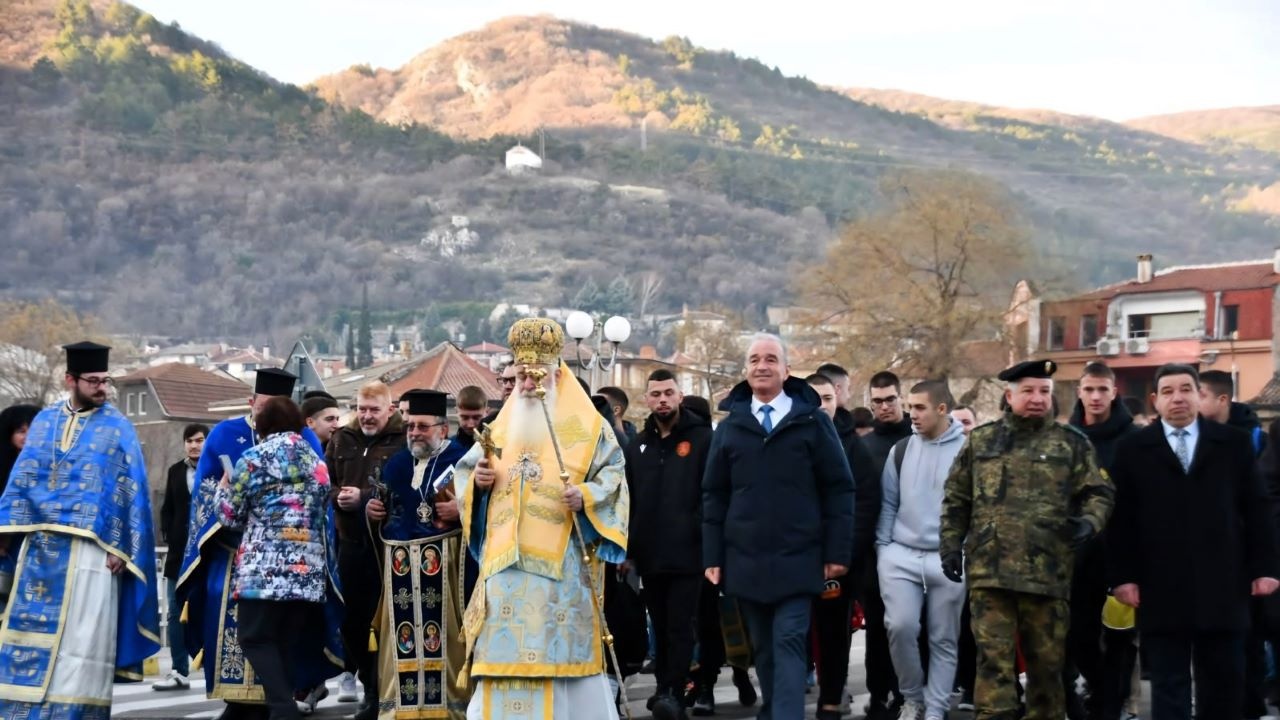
581 326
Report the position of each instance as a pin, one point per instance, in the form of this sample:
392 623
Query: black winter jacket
867 493
665 479
776 507
882 438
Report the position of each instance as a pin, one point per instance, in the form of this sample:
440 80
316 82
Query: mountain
1255 127
170 188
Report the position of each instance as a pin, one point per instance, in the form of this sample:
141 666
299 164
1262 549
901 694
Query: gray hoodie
911 508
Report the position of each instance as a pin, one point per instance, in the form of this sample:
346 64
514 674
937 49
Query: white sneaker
347 688
911 710
307 705
173 681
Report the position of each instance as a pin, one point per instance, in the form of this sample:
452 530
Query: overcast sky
1116 59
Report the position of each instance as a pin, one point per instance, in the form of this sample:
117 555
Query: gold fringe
183 618
198 661
373 641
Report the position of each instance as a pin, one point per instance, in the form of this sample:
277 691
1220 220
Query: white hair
767 337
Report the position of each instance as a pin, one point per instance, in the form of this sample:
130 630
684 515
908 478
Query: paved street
140 701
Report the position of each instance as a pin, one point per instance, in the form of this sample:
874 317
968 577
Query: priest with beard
423 593
543 513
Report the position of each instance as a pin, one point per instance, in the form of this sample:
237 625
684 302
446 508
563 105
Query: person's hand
953 566
375 510
1081 532
349 498
831 570
114 564
485 474
1265 586
624 567
573 497
713 575
447 510
1128 594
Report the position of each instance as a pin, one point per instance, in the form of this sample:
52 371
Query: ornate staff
538 375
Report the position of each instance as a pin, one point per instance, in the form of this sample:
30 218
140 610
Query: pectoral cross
484 438
424 512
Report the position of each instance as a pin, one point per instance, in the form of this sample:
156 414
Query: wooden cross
484 437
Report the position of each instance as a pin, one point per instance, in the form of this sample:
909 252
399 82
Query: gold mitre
536 341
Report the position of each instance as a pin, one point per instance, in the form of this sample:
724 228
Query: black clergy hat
86 357
427 402
1042 369
271 381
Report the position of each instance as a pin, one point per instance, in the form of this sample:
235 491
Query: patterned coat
278 494
1010 495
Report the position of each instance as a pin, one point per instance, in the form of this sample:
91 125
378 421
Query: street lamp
581 326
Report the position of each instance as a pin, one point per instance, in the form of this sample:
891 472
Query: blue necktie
767 422
1181 450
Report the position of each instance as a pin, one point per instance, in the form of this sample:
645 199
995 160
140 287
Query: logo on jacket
684 448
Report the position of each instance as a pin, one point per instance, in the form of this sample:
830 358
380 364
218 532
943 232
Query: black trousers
882 681
710 637
1218 659
966 653
832 637
267 630
672 601
359 571
1084 635
1119 654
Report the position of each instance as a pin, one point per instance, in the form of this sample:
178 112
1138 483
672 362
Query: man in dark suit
777 517
1191 540
175 514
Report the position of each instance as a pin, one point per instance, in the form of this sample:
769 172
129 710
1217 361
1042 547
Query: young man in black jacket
664 472
175 515
891 425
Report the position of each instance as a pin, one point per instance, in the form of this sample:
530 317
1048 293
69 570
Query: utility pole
644 134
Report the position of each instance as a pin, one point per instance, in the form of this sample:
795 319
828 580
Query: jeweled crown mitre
536 341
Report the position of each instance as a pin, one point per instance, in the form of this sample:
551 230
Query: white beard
527 426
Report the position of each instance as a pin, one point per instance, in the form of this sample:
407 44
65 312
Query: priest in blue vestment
76 514
204 582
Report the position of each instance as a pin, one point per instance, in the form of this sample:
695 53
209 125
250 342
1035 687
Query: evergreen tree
364 344
351 347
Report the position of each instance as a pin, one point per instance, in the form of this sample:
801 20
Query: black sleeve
1259 502
167 508
835 490
715 500
867 492
1121 535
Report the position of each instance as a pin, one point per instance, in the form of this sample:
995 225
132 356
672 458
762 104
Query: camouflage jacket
1009 498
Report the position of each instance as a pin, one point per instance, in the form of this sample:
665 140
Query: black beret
1030 369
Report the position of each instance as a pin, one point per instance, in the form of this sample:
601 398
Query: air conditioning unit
1137 346
1108 347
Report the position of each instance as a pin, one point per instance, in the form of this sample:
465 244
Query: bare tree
711 338
650 286
31 340
934 267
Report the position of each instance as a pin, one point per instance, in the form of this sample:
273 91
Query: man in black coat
664 472
891 424
777 517
1101 416
175 515
1191 540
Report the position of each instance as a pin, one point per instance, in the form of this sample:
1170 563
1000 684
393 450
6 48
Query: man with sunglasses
76 516
418 516
890 426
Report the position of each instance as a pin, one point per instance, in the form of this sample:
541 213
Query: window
1230 320
1057 333
128 404
1088 331
142 403
1139 326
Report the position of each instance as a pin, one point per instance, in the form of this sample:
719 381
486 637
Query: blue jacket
776 507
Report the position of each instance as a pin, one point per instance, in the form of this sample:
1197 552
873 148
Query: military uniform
1010 501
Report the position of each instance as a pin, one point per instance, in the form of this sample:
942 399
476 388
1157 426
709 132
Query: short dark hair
1099 370
317 394
313 406
970 408
819 378
193 430
279 414
937 390
471 398
1219 382
832 370
697 404
862 417
1169 369
616 395
884 379
1134 405
659 375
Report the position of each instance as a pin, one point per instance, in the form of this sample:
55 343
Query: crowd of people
525 565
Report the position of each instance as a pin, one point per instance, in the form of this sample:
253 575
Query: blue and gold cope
81 475
205 584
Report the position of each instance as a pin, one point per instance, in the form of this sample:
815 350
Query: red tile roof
1269 396
1206 278
487 347
186 391
446 368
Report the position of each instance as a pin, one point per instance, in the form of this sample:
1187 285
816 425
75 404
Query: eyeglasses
95 382
416 427
504 381
885 400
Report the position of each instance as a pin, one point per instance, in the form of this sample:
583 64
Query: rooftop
186 391
1206 278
